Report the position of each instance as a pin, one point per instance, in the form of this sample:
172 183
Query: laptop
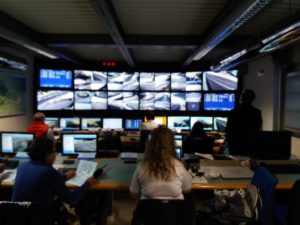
236 172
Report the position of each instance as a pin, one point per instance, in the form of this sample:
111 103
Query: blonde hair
39 116
159 156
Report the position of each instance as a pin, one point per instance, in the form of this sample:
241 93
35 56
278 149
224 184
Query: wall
19 123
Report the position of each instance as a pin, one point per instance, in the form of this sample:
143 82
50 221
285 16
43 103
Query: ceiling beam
18 33
106 11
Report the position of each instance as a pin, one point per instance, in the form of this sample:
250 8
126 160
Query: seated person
198 141
38 126
38 181
150 124
160 175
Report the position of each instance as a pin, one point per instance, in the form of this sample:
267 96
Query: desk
117 176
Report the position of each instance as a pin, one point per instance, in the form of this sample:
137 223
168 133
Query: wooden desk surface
117 176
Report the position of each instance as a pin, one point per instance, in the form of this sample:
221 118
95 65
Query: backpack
238 206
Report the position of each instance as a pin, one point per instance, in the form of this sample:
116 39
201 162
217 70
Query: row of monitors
173 122
138 81
72 143
48 100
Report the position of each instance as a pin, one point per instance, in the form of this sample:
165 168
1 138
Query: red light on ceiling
109 63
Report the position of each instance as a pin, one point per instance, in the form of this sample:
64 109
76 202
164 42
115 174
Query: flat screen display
178 82
207 121
52 122
56 78
69 123
147 100
161 120
178 141
55 100
90 100
179 122
220 81
162 81
220 123
90 80
112 123
132 124
193 81
162 101
219 101
76 143
90 123
13 142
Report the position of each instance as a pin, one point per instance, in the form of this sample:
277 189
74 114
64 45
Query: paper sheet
84 170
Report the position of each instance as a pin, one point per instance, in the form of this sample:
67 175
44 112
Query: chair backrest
198 144
25 213
144 139
159 212
266 182
294 205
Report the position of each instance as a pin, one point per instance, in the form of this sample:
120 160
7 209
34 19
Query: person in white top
150 124
160 175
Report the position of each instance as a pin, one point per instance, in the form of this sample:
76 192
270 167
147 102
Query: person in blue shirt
38 181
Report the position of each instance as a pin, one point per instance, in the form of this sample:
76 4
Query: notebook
236 172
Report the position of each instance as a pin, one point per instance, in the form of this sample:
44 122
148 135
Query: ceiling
138 33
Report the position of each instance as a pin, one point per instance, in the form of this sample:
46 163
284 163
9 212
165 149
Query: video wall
81 90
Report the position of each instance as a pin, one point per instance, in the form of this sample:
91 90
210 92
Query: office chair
144 139
198 144
163 212
26 213
266 182
288 214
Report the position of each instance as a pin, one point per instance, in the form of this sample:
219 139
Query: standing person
38 126
150 124
160 175
245 118
38 181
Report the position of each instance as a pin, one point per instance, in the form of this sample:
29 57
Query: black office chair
26 213
144 139
198 144
163 212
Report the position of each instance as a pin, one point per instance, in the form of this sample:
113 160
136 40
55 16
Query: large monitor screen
220 123
220 81
13 142
90 100
207 121
90 123
179 122
70 123
132 124
193 81
75 143
52 122
56 78
219 101
161 120
55 100
90 80
112 123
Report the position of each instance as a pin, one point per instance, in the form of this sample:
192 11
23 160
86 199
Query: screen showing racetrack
76 143
179 122
70 123
13 142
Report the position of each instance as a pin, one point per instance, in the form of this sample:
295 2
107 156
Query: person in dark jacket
245 118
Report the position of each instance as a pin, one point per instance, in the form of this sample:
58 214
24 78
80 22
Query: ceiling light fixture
238 17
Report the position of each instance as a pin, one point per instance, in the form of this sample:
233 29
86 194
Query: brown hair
159 156
39 116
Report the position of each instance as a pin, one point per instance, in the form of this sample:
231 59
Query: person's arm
186 180
135 186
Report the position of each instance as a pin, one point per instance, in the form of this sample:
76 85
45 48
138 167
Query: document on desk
199 180
8 175
205 156
84 170
128 155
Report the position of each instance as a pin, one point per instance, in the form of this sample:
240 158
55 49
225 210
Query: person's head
247 97
150 115
159 154
39 116
43 150
198 130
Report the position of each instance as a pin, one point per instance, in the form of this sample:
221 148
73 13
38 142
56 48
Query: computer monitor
90 123
178 148
48 100
269 144
220 123
75 143
90 80
52 122
220 81
161 120
219 101
207 121
55 78
132 124
70 123
14 142
112 123
179 122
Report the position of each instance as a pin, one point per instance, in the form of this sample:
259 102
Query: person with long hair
160 175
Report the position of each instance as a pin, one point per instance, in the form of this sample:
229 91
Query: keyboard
283 168
11 164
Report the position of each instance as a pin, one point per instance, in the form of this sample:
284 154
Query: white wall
19 123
